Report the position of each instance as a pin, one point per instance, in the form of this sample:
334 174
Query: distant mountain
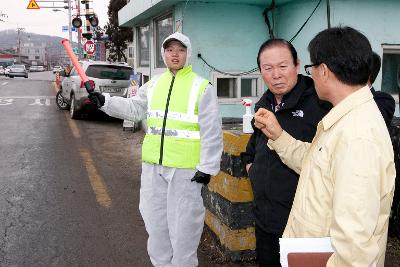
9 39
52 44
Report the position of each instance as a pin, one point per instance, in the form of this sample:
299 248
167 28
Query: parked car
7 71
18 71
40 68
33 68
57 69
1 70
105 77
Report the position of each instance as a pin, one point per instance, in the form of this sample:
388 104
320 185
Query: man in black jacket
292 97
385 102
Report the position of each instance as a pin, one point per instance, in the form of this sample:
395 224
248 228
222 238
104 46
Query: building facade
226 35
35 54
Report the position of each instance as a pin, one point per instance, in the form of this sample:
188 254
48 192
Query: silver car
104 76
18 71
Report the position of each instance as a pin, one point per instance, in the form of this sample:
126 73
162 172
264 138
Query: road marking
96 181
37 102
4 102
4 83
28 97
72 125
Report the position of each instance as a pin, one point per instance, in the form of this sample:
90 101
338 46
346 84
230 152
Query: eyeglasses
307 68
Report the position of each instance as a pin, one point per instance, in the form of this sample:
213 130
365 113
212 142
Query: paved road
68 189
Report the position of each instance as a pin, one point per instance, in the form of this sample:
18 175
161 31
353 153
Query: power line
226 73
304 24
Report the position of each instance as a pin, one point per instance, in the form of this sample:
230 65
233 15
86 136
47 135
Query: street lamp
69 18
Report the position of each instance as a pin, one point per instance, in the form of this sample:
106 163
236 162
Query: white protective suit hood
184 40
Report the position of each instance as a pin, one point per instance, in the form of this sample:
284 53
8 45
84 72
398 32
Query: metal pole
19 30
78 8
87 22
69 22
328 13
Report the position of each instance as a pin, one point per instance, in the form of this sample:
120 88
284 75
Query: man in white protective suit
182 148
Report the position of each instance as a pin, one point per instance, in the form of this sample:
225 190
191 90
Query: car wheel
61 103
26 76
11 76
73 112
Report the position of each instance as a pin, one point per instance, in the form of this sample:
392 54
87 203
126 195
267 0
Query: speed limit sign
90 47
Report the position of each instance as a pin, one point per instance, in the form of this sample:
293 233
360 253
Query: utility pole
19 30
87 16
69 22
78 11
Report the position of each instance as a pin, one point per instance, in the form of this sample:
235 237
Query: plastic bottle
247 117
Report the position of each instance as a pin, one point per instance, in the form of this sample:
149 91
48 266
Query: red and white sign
90 47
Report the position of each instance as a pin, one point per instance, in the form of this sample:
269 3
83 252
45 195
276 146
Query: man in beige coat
347 173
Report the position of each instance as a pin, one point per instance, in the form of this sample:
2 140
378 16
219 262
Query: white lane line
4 83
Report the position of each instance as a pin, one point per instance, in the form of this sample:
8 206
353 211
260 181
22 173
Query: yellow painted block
233 189
234 240
235 144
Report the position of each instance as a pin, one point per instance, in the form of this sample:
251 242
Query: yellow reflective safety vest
173 133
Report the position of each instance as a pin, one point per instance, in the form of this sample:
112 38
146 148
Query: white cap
183 39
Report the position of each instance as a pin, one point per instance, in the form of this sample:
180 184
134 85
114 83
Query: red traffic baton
78 67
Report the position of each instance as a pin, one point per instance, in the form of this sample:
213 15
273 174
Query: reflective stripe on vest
181 135
159 114
174 133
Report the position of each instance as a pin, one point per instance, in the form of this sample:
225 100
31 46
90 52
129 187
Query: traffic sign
65 29
33 5
89 47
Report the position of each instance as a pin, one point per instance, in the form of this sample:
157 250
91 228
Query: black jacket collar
303 87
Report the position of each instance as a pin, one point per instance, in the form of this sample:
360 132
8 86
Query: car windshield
19 66
109 72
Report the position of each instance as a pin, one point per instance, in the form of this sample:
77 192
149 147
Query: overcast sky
44 20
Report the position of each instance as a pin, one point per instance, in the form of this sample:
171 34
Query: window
248 87
391 69
144 46
163 27
73 72
226 87
130 51
235 88
146 78
109 72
